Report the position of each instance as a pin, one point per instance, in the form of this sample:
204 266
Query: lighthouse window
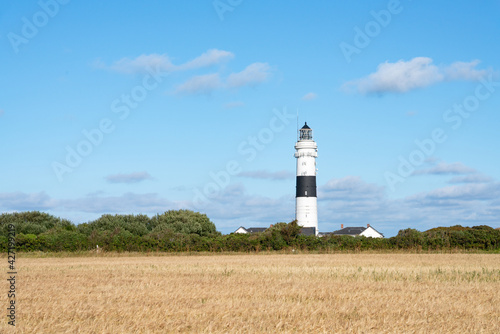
306 192
304 163
305 134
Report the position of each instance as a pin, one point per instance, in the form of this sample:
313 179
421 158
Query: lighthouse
306 152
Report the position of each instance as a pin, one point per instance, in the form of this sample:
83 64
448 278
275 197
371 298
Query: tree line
185 230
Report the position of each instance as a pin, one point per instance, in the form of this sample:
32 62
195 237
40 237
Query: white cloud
92 203
19 201
127 203
253 74
128 178
202 84
399 77
443 168
403 76
206 84
162 63
209 58
464 71
466 192
475 178
350 187
139 64
233 206
263 174
310 96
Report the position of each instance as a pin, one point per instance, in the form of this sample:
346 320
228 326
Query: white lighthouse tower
306 207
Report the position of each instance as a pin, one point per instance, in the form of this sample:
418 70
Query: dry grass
359 293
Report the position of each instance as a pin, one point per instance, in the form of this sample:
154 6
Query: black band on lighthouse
306 186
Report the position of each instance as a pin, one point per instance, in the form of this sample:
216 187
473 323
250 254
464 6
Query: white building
243 230
367 231
306 207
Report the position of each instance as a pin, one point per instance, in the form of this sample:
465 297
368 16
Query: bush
57 240
409 239
185 230
32 222
137 225
185 222
26 243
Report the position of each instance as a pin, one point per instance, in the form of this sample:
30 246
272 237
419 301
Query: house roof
377 231
350 231
354 231
303 230
256 229
242 228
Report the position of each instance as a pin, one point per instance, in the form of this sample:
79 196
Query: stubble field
259 293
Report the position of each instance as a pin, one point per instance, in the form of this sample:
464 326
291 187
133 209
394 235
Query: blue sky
142 107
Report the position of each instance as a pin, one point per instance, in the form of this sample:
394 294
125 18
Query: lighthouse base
306 212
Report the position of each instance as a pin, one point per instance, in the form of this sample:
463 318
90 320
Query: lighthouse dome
305 127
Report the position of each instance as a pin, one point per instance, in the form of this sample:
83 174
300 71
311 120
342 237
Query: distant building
303 230
243 230
367 231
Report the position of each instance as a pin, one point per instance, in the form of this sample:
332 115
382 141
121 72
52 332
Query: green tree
137 225
32 222
183 221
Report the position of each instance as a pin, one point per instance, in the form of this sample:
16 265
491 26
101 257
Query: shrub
185 222
26 242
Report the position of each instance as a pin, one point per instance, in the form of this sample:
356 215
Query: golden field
258 293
